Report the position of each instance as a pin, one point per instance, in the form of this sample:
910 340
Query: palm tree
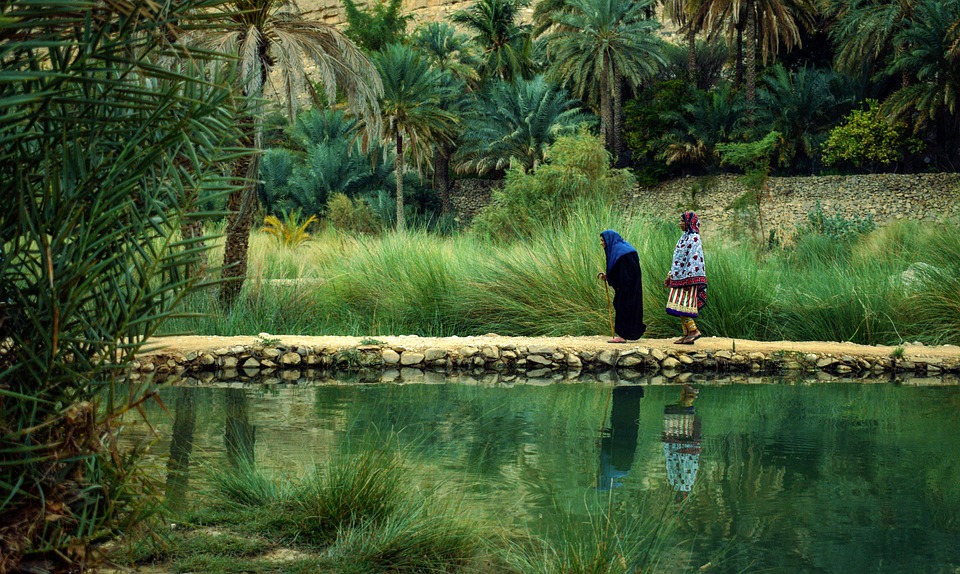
412 110
933 96
685 14
515 122
864 31
765 24
454 56
596 46
268 34
802 106
712 118
505 44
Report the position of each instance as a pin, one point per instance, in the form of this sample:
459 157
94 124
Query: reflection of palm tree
181 447
239 436
618 443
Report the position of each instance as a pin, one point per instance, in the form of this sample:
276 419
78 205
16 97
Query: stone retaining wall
885 197
290 363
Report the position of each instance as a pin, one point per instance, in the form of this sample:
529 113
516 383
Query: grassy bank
898 283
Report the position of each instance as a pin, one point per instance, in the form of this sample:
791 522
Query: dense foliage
110 138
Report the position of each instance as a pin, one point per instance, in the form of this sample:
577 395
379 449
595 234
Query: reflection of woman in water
618 443
681 441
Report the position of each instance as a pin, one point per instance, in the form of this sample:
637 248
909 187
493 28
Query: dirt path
199 343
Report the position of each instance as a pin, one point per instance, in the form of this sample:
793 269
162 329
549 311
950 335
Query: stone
630 361
669 363
538 360
229 362
290 359
490 353
206 359
251 363
685 359
657 354
390 356
825 361
411 358
434 355
608 358
272 353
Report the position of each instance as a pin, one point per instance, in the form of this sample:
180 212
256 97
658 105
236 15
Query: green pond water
827 477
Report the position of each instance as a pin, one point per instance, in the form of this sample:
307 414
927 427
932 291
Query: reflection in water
239 435
804 478
181 446
681 441
618 442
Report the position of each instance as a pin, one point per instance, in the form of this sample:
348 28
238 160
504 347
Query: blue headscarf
616 247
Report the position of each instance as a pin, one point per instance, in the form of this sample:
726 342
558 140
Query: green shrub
351 215
867 139
836 226
576 167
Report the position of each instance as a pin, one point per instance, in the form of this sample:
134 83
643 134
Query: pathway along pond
779 477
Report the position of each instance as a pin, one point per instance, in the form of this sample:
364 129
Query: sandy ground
184 345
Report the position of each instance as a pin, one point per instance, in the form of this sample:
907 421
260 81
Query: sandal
617 340
689 339
681 341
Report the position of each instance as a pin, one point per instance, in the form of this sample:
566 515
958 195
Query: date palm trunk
750 45
240 204
441 177
399 169
606 111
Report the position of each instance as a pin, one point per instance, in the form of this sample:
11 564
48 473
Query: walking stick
609 308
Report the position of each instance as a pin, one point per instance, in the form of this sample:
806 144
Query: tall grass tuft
607 540
876 288
363 489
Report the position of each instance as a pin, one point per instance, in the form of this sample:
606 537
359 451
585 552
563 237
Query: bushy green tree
576 167
868 140
372 30
515 122
647 119
801 105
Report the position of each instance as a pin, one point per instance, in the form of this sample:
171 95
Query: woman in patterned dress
687 279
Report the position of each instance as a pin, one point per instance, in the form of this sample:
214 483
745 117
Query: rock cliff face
332 12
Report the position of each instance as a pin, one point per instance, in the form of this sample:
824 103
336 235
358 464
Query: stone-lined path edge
288 357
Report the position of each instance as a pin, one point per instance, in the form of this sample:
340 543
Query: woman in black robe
623 274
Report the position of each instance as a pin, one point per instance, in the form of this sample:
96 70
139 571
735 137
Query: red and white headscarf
688 266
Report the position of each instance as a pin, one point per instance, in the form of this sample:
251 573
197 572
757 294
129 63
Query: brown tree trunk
398 170
441 178
606 111
738 68
692 54
617 119
750 45
241 205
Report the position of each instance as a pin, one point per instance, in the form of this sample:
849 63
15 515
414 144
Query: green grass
372 513
419 283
